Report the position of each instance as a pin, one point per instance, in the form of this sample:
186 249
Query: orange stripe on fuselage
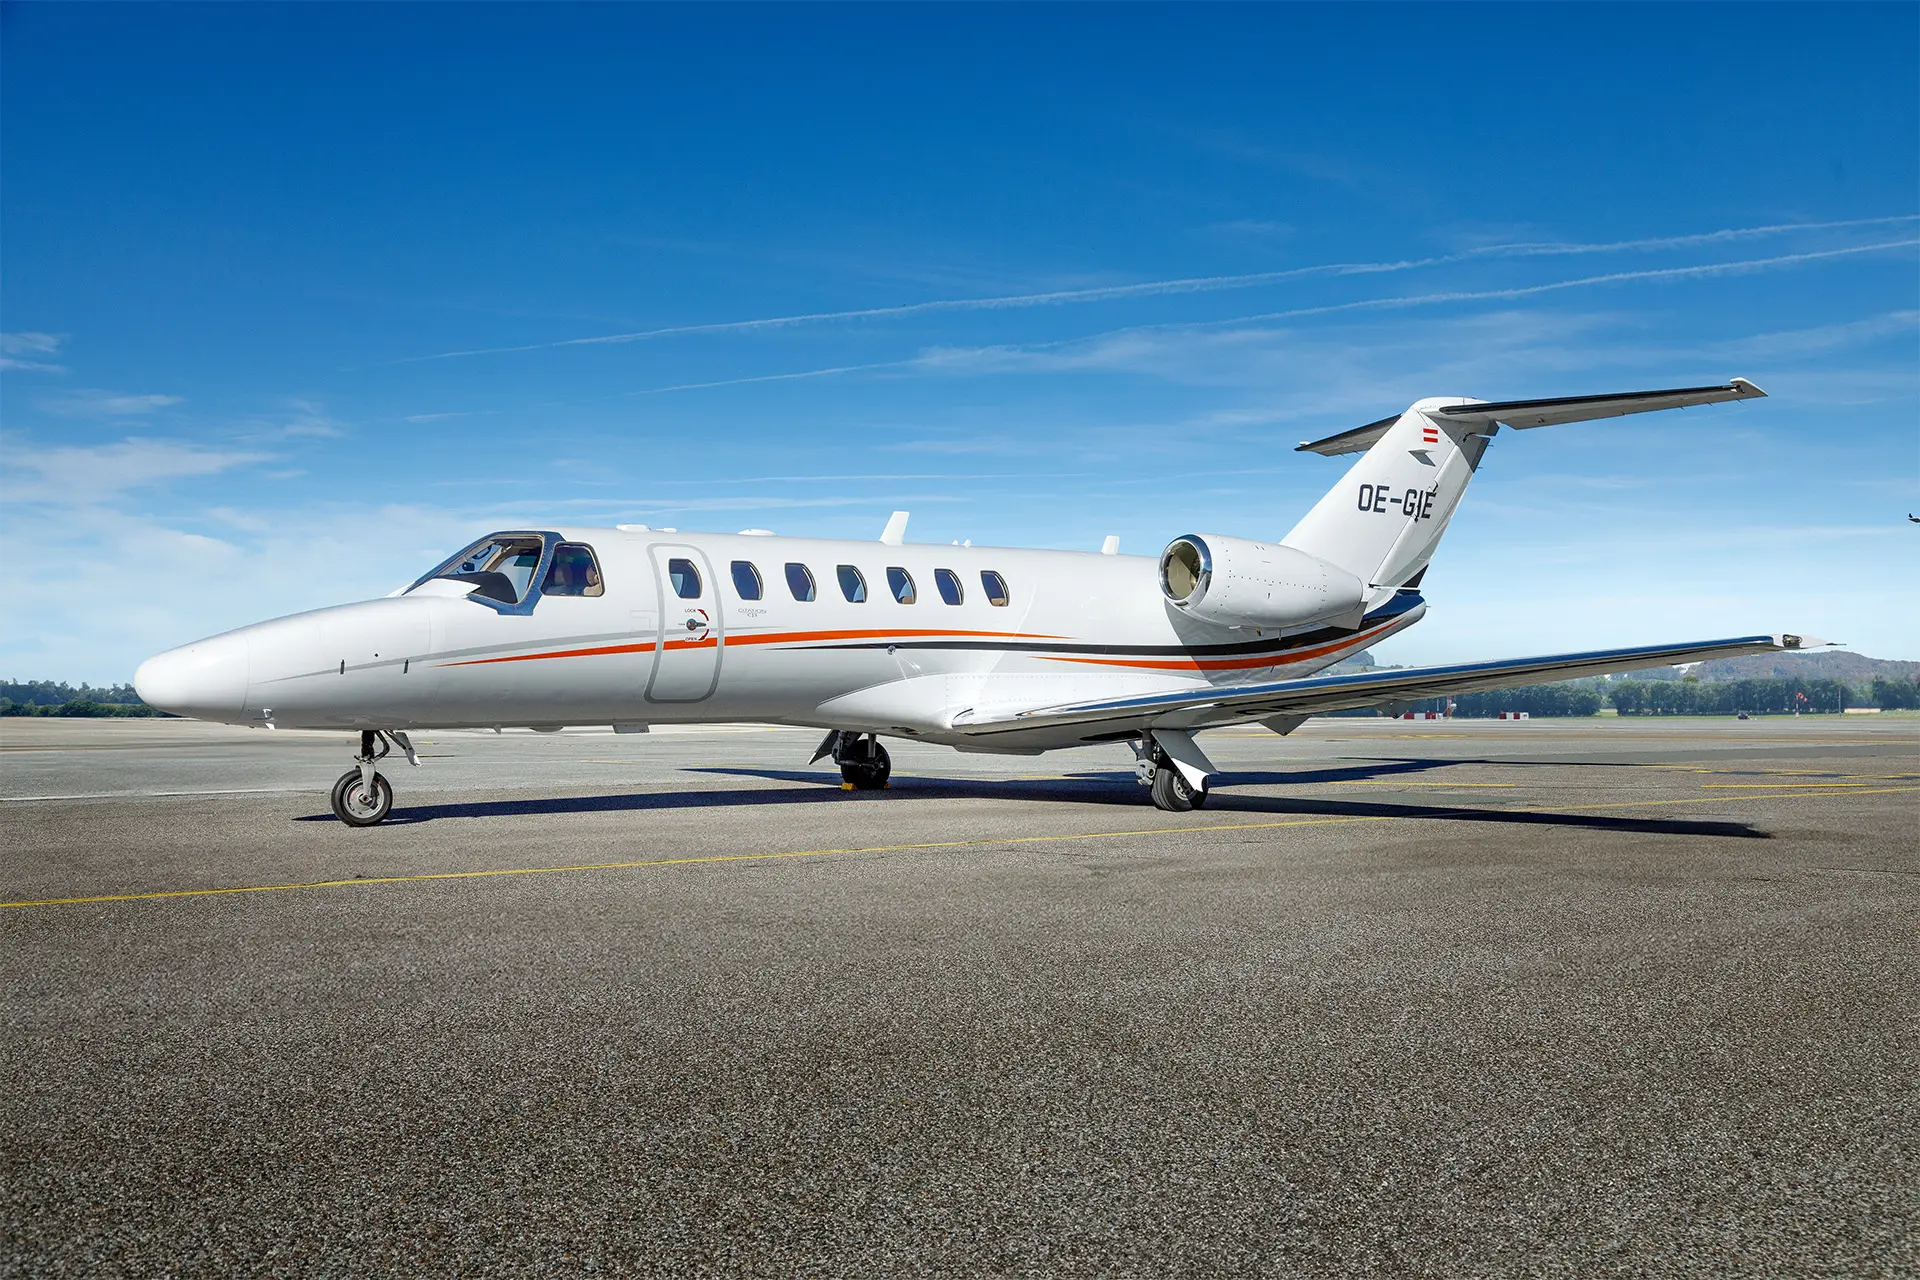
565 653
772 637
797 637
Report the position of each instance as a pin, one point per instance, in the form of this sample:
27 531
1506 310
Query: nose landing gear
364 797
864 763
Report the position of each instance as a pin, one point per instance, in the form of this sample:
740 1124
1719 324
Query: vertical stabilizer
1384 518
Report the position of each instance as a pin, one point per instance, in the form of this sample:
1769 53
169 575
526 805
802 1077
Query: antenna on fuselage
896 531
1111 547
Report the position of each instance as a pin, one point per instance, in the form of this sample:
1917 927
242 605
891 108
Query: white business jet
981 649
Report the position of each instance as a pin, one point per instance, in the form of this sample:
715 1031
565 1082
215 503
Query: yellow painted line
886 848
1649 737
1762 786
1450 786
1785 773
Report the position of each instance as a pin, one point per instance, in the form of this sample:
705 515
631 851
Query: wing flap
1223 705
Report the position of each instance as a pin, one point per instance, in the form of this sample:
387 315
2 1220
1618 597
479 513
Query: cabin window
499 568
900 582
852 585
574 572
949 583
995 587
800 581
746 580
684 578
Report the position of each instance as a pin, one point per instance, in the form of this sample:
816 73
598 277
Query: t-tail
1383 520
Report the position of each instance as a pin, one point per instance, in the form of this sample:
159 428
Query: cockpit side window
574 572
500 568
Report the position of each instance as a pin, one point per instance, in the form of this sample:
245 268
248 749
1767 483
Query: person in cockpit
572 573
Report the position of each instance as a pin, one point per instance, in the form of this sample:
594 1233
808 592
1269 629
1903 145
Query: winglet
896 531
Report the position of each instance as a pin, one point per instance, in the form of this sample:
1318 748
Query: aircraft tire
1174 793
870 773
353 806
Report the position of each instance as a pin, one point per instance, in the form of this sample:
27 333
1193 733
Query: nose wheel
363 797
359 803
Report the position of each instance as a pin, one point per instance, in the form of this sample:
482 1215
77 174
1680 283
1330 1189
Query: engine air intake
1236 582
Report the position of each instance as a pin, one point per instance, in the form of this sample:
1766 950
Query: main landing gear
1167 785
864 763
363 797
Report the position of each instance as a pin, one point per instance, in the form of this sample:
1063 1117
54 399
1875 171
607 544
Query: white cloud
297 417
94 403
74 475
23 343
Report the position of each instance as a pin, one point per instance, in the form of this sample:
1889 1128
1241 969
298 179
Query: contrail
951 356
1190 284
1615 277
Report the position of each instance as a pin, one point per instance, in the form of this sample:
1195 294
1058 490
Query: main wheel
867 773
1173 792
355 805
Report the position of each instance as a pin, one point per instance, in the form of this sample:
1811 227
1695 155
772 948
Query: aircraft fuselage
658 645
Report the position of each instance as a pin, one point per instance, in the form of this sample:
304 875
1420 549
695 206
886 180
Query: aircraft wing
1199 708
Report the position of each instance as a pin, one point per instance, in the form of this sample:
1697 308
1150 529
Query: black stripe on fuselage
1244 648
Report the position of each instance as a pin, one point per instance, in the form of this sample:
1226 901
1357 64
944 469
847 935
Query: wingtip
1788 640
1746 389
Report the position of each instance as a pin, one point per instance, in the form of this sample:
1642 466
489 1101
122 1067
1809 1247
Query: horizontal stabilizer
1548 413
1541 413
1358 440
1198 708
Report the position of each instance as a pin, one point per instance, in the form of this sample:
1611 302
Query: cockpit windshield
500 567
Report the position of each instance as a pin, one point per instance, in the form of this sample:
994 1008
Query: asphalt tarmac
1406 998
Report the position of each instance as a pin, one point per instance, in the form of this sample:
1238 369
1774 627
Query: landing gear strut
364 797
864 763
1169 787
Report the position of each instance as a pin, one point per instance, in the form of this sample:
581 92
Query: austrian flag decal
1430 434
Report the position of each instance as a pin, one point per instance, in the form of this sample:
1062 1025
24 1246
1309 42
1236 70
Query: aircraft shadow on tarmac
1114 787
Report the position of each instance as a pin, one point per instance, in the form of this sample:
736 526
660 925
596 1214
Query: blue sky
300 298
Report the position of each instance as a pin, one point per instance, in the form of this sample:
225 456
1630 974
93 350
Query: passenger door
686 666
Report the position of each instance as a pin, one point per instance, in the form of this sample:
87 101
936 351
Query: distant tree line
1729 697
1670 698
45 698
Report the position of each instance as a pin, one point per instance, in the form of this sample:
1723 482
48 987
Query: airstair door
686 665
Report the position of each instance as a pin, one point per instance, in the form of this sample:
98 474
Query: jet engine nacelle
1236 582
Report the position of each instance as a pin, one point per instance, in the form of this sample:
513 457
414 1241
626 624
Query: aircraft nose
206 679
